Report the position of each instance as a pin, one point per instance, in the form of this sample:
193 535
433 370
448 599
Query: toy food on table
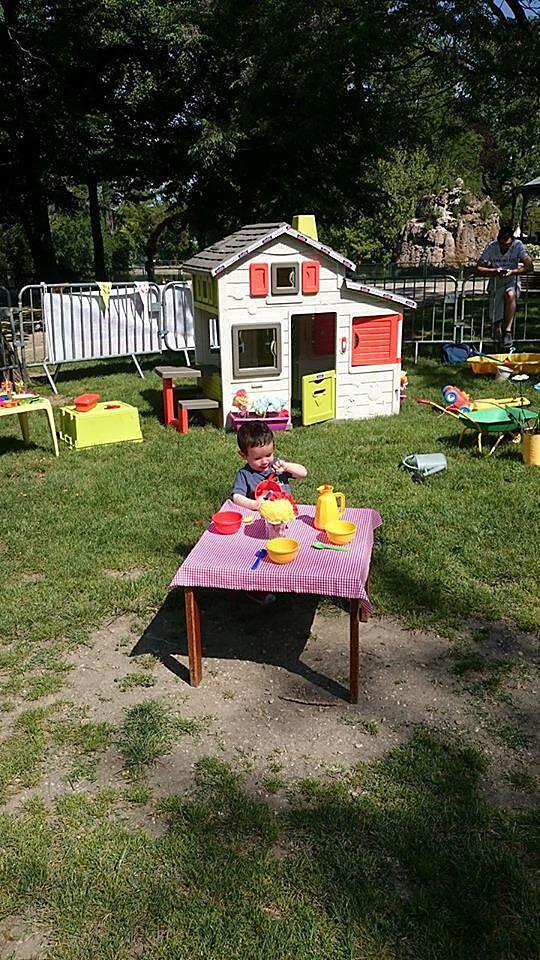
276 511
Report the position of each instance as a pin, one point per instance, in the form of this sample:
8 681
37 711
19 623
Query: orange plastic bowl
227 521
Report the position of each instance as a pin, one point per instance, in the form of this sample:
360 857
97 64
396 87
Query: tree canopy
125 119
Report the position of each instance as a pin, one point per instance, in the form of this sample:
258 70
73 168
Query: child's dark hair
255 434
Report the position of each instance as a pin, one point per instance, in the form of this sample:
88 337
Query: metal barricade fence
474 322
11 343
66 323
454 309
176 300
436 316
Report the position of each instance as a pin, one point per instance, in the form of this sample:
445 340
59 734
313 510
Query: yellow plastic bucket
531 449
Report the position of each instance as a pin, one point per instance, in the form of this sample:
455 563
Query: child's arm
295 470
247 502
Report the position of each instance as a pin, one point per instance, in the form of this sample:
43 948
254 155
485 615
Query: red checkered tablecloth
224 561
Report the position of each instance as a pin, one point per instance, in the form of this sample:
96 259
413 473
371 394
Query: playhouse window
256 350
285 278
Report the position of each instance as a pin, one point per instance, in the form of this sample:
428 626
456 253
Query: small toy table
224 562
23 410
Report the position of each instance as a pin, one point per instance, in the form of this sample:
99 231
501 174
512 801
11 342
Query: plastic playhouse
279 324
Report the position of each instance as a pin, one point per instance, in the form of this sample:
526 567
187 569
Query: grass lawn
402 858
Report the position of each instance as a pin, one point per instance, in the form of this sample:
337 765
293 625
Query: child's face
259 458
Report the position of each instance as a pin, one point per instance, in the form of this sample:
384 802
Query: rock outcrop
450 228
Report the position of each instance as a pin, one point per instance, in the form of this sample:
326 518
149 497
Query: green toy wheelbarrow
499 422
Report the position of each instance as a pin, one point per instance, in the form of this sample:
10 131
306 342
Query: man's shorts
496 302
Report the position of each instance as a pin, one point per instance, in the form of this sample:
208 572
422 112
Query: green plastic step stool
110 422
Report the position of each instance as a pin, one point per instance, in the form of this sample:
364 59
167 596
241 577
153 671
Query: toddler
256 447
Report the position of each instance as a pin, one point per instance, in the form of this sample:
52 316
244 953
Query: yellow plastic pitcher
327 510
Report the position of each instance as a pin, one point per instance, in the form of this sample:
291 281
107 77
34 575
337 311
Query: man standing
504 260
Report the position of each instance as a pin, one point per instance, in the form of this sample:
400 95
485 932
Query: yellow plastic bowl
341 531
282 549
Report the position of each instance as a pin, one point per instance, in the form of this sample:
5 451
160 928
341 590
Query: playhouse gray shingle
216 258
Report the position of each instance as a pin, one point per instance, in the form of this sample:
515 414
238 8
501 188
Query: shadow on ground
235 627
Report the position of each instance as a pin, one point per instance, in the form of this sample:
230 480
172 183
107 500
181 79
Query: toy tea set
14 394
278 509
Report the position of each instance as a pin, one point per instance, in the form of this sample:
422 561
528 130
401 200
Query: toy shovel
319 545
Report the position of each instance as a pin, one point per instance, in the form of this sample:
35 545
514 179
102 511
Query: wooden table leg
354 649
357 614
193 624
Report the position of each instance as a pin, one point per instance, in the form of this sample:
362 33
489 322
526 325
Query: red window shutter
258 279
374 340
310 276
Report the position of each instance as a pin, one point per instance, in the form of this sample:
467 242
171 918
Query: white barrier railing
68 323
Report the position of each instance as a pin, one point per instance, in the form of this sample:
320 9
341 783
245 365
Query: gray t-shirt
493 256
247 479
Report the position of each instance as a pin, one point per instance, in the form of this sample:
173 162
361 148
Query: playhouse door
319 397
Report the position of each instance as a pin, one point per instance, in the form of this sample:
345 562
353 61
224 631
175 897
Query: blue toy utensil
260 555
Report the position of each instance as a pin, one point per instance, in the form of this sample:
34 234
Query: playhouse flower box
274 421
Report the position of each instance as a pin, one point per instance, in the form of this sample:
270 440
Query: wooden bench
197 403
169 375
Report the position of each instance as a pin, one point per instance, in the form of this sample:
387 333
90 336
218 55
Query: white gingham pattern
223 561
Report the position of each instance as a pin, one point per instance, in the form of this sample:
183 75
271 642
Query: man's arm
484 268
526 266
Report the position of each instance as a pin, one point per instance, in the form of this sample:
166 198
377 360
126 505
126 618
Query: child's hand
279 466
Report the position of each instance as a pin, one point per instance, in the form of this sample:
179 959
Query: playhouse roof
215 259
379 292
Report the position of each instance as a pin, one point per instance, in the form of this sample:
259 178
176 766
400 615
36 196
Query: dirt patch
134 573
31 577
275 686
19 940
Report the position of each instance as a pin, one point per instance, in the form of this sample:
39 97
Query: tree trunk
150 246
28 169
37 228
100 272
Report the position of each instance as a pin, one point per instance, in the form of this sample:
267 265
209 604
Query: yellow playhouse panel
319 397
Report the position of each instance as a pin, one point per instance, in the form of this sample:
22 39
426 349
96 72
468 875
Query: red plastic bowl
228 521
